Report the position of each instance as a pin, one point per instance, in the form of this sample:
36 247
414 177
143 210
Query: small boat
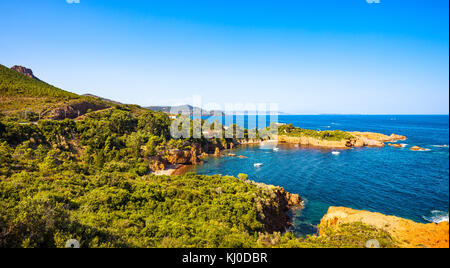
257 165
276 149
336 153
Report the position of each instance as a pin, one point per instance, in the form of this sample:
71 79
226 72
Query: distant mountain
183 109
25 71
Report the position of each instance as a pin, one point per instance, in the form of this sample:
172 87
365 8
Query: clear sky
318 56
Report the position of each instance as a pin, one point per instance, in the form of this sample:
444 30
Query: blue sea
393 181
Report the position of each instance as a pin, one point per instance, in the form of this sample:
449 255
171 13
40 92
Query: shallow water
394 181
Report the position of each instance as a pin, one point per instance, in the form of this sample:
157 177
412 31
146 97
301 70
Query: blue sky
307 56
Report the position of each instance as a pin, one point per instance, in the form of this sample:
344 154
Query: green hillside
26 99
13 83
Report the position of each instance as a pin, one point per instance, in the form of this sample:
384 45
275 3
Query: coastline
429 237
172 170
362 139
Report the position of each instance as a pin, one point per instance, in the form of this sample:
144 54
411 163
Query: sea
392 181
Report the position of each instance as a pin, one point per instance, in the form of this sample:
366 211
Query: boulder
417 148
396 145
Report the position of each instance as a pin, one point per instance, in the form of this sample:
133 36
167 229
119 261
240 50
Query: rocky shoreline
407 233
176 160
274 212
360 139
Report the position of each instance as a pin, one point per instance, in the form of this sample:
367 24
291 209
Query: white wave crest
441 146
437 216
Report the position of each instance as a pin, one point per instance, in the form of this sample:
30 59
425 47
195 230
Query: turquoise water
400 182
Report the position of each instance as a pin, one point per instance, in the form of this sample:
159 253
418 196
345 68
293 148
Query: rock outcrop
311 141
190 156
360 139
179 157
25 71
378 136
74 110
396 145
407 233
274 212
417 148
158 163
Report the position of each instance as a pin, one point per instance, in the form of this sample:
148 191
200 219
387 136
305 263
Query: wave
437 216
441 146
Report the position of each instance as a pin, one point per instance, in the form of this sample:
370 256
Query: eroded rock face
186 157
74 110
377 136
179 157
310 141
407 233
274 212
158 163
196 151
24 71
360 139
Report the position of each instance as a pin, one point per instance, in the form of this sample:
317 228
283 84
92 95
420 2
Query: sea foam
441 146
437 216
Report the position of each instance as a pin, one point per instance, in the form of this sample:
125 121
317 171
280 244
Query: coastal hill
20 81
25 97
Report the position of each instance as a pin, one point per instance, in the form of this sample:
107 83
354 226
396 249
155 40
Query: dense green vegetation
90 180
331 135
116 210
